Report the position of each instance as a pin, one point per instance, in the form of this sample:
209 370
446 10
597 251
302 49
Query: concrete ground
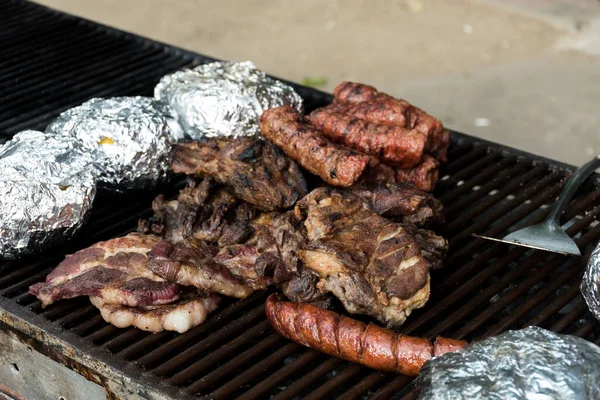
525 73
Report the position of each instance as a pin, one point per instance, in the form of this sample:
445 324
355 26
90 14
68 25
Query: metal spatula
548 235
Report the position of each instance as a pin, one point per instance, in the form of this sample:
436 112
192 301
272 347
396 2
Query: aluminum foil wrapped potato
223 98
531 363
590 285
129 138
47 190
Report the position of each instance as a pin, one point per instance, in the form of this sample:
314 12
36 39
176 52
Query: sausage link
335 164
395 145
352 340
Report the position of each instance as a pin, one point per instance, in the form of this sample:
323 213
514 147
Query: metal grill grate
52 62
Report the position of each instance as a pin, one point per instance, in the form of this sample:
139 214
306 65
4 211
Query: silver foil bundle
590 285
223 98
531 363
47 190
129 138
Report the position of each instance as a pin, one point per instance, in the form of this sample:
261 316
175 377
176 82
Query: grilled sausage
423 176
365 102
352 340
394 145
335 164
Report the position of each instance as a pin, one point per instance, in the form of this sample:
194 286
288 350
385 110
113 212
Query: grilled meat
399 201
190 311
256 171
392 144
423 176
335 164
115 270
194 265
352 340
366 103
203 211
372 265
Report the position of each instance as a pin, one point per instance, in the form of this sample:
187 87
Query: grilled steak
374 266
399 201
191 310
335 164
194 265
115 271
256 171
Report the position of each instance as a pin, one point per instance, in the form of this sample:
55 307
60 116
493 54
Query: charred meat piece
194 265
365 102
433 247
115 270
203 211
392 144
352 340
423 176
399 201
190 311
335 164
374 266
256 171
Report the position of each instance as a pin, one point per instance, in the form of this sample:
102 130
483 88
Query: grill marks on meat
366 103
374 266
392 144
255 170
180 316
115 270
335 164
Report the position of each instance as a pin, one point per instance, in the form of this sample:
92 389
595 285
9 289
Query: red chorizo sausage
352 340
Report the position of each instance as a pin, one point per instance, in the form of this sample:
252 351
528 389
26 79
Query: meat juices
335 164
352 340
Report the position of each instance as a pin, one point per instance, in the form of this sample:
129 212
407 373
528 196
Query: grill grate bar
305 382
225 391
333 383
574 314
374 378
554 307
233 328
222 353
393 387
280 375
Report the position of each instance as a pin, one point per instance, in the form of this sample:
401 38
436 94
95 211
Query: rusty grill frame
483 289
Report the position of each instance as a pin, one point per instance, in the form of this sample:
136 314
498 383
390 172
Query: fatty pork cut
189 311
372 265
255 170
115 271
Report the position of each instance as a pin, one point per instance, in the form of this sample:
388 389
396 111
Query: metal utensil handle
571 187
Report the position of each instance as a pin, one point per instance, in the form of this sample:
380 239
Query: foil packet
47 190
223 98
590 285
128 138
531 363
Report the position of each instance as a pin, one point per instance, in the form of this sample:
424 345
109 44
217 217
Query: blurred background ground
525 73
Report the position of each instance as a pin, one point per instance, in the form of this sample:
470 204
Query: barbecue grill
51 62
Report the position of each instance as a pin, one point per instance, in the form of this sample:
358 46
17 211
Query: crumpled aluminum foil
531 363
129 138
223 98
590 285
47 190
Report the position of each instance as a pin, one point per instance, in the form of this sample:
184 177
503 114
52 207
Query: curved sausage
352 340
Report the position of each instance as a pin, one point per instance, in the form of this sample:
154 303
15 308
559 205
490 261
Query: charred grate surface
52 62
